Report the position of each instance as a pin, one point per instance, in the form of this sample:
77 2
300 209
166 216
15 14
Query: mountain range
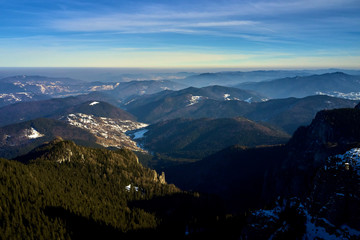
31 88
287 114
235 77
334 84
167 104
126 90
238 165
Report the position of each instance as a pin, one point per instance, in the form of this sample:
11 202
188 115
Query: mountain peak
336 73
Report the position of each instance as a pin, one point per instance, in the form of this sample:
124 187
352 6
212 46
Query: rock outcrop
159 178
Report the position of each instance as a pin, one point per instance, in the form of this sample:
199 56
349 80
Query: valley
180 120
182 159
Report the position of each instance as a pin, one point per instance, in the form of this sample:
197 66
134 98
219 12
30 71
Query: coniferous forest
64 191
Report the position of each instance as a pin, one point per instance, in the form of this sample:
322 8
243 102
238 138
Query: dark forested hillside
308 188
237 174
197 138
155 107
20 138
64 191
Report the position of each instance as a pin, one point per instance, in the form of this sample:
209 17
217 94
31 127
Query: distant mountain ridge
44 85
32 87
231 78
156 106
126 90
58 107
99 109
287 114
337 83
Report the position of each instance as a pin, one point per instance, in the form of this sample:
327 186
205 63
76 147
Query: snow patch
193 100
93 103
108 131
350 95
128 188
227 97
248 100
33 134
140 134
349 159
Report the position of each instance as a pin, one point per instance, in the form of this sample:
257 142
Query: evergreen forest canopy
64 191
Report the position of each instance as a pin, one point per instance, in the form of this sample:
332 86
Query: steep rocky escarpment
331 132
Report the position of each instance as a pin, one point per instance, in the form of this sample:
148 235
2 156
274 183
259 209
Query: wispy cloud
154 32
248 18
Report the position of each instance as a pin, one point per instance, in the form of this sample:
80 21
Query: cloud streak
265 18
248 28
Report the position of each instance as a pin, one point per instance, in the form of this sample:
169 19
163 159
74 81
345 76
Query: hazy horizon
119 74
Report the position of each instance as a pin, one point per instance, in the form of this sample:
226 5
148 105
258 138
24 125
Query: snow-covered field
109 131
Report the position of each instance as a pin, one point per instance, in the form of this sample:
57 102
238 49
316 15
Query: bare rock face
162 178
159 178
331 132
319 183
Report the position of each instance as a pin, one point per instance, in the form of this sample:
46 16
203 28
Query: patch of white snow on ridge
350 158
193 100
93 103
350 95
248 100
227 97
128 188
140 134
33 134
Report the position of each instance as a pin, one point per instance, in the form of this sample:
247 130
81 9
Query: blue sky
185 34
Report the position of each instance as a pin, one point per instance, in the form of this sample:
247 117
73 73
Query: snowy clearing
93 103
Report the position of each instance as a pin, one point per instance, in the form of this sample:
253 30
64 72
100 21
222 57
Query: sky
260 34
